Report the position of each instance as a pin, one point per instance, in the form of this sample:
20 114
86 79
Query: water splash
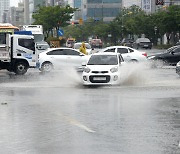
135 74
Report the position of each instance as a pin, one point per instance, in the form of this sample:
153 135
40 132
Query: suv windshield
103 60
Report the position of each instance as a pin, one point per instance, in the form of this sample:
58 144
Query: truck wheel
20 68
46 67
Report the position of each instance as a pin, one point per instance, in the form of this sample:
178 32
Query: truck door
25 48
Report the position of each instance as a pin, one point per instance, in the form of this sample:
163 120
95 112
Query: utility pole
102 11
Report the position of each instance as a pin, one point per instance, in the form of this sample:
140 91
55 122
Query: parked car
102 69
178 68
88 47
96 43
59 58
142 43
128 54
127 42
170 57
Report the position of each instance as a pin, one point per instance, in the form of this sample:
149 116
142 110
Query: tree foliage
137 22
131 22
53 17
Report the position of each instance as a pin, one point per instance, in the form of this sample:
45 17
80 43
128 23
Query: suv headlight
114 69
87 70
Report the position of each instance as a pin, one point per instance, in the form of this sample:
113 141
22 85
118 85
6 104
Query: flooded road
54 113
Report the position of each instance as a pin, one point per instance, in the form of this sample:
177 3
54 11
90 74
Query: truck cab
18 53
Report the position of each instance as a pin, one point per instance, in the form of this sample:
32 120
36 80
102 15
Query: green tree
53 17
130 20
168 22
101 30
79 32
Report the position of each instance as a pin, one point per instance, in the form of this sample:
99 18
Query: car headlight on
114 69
87 70
178 64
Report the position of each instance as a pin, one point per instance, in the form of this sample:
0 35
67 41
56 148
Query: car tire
46 67
20 68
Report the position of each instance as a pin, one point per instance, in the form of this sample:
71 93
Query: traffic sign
60 32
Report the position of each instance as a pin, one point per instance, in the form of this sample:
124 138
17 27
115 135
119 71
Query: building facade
55 2
16 15
38 3
4 6
147 5
30 6
78 13
105 10
128 3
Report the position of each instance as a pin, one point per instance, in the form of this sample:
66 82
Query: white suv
102 69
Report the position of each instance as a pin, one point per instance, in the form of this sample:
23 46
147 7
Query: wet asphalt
54 114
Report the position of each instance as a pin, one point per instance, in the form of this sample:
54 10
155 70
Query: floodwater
54 114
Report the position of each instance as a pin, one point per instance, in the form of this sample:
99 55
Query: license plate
146 45
99 78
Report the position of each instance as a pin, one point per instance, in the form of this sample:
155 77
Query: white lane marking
76 123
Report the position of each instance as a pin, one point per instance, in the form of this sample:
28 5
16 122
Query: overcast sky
14 2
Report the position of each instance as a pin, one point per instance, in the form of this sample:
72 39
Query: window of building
104 1
102 12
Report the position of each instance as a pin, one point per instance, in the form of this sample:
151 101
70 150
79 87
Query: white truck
18 53
37 32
